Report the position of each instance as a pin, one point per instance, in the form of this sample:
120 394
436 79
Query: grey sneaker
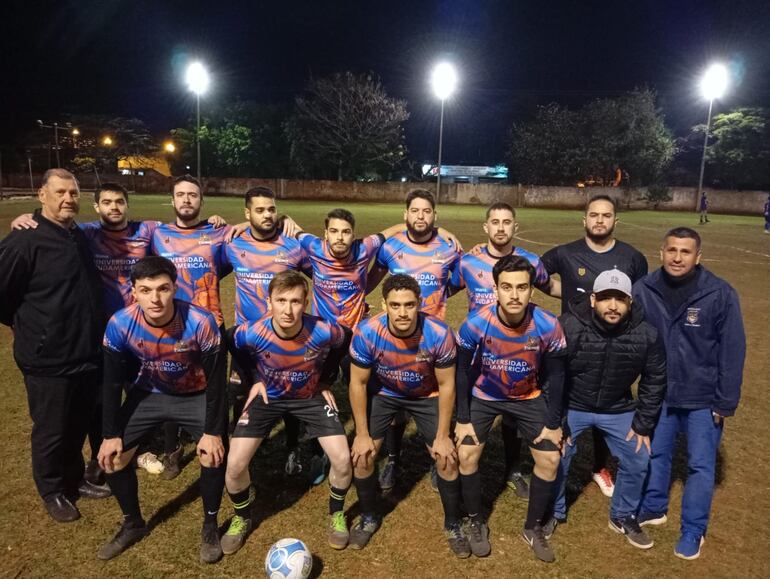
550 526
236 534
478 537
126 536
388 476
211 549
458 542
539 544
629 527
362 531
518 484
293 464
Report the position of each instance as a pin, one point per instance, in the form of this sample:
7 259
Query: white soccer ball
288 559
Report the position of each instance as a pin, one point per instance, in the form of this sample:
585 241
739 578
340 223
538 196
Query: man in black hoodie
51 295
609 346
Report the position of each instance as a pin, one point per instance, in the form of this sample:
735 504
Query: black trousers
61 408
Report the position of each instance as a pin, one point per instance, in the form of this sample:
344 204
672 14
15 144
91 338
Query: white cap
613 279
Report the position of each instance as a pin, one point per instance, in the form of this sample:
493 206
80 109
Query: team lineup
119 331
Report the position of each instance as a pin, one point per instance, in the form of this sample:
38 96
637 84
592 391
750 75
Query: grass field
410 542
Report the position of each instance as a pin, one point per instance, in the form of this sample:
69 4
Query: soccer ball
288 559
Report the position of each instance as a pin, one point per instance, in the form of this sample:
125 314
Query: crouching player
177 348
283 355
507 352
410 357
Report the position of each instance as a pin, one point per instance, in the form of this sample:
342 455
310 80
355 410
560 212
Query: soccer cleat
88 490
149 462
94 473
434 478
362 531
172 464
338 531
654 519
603 479
550 526
61 509
629 526
319 465
518 484
478 537
293 464
236 534
126 536
388 476
458 542
211 548
688 546
539 544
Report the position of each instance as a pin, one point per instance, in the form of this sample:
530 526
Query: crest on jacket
692 317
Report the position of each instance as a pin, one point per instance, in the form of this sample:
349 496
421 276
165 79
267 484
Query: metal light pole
440 142
713 86
55 128
197 79
444 82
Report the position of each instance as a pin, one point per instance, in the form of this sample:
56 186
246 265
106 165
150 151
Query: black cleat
126 536
61 509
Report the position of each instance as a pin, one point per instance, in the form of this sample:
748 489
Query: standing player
410 356
507 352
703 207
177 347
577 264
284 355
767 215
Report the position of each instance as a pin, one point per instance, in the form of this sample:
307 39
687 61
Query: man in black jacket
609 346
51 295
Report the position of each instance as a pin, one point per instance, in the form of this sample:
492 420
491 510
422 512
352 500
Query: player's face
155 295
500 227
112 208
60 199
339 236
402 307
419 217
599 220
262 215
679 256
611 306
287 307
513 292
187 200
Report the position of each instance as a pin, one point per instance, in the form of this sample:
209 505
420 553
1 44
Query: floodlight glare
169 147
714 82
444 80
197 78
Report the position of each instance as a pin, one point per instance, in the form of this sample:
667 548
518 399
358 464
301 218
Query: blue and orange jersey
288 367
255 262
475 274
339 285
404 367
115 253
508 358
169 356
198 253
431 263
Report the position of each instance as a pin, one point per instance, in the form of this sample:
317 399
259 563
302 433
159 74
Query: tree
739 154
346 126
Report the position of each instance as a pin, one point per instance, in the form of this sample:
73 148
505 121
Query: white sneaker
603 479
149 462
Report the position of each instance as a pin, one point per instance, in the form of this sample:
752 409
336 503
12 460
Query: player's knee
206 460
548 461
340 462
469 456
448 471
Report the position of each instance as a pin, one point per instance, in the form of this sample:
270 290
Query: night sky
126 58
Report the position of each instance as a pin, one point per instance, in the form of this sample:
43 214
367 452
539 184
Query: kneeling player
282 354
507 351
412 358
177 347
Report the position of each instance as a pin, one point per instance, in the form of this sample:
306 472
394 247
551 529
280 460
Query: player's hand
217 221
211 446
290 227
464 430
477 249
329 397
450 237
236 230
718 418
24 221
257 389
553 434
362 450
109 451
640 440
443 452
567 442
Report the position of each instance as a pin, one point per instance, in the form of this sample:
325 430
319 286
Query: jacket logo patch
532 344
581 271
692 317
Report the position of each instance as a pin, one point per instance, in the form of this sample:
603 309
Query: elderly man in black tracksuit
609 346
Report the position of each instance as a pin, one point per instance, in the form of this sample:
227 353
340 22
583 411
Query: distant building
144 165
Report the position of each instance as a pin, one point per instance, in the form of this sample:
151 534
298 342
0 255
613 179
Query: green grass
410 542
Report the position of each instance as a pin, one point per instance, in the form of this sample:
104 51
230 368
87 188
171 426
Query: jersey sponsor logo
692 317
181 346
532 343
204 239
581 271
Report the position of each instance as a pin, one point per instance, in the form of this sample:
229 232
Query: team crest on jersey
181 346
310 354
581 271
422 356
281 258
204 239
532 343
438 257
692 317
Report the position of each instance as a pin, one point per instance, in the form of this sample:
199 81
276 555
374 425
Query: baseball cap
612 279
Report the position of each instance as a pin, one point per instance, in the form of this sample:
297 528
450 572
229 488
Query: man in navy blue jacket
699 318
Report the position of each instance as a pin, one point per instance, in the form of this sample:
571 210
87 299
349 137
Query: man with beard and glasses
578 264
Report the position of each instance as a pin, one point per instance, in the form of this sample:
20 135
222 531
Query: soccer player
177 348
410 357
698 315
767 215
703 207
577 264
507 352
284 355
611 346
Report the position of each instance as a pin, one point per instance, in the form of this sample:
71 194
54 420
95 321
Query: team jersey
115 253
475 274
508 359
198 253
169 356
404 367
255 262
431 263
339 285
289 368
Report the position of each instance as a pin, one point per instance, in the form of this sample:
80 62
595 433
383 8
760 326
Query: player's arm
650 394
216 406
113 380
465 377
24 221
552 383
13 281
374 277
363 446
331 366
550 261
731 357
443 448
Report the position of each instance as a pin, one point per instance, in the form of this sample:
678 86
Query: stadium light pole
197 79
713 85
444 82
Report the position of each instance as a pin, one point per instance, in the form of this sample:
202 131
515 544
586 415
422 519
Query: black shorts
259 418
144 411
529 416
382 410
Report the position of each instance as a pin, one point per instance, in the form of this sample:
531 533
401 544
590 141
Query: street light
713 85
107 141
444 82
169 147
75 135
197 79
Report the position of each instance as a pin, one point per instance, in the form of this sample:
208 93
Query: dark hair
114 187
420 194
500 206
603 198
259 192
340 213
683 233
287 280
186 178
400 281
60 173
152 266
513 263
